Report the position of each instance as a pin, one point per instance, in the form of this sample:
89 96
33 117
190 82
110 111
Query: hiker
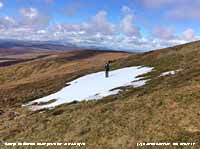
107 68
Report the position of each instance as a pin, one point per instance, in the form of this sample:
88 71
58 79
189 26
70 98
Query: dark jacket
107 67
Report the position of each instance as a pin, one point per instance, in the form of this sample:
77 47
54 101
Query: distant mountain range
20 46
49 45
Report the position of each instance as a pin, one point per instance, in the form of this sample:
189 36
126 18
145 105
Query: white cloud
28 25
31 17
163 33
166 37
125 9
29 12
7 23
127 27
188 34
97 24
100 23
126 24
1 5
9 19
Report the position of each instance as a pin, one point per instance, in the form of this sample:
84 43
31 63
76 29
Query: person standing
107 68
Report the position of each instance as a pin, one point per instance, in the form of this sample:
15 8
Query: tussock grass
166 109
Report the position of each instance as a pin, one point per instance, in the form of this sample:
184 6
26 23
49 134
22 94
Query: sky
129 25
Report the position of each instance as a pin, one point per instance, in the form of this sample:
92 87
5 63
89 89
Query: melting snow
173 72
168 73
93 86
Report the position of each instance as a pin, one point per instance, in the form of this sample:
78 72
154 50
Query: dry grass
166 109
27 81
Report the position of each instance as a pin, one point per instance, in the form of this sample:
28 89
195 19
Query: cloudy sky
117 24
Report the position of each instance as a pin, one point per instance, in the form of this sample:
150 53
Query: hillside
37 77
166 109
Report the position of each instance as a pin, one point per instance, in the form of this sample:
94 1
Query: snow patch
94 86
168 73
173 72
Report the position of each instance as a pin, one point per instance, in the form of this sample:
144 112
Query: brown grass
33 79
166 109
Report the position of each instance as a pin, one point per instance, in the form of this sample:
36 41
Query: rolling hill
165 109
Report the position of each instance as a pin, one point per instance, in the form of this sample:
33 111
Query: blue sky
122 25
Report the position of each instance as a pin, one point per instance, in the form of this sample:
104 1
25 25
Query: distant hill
9 47
50 45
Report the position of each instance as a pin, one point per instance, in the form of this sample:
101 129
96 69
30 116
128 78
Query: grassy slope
33 79
165 109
